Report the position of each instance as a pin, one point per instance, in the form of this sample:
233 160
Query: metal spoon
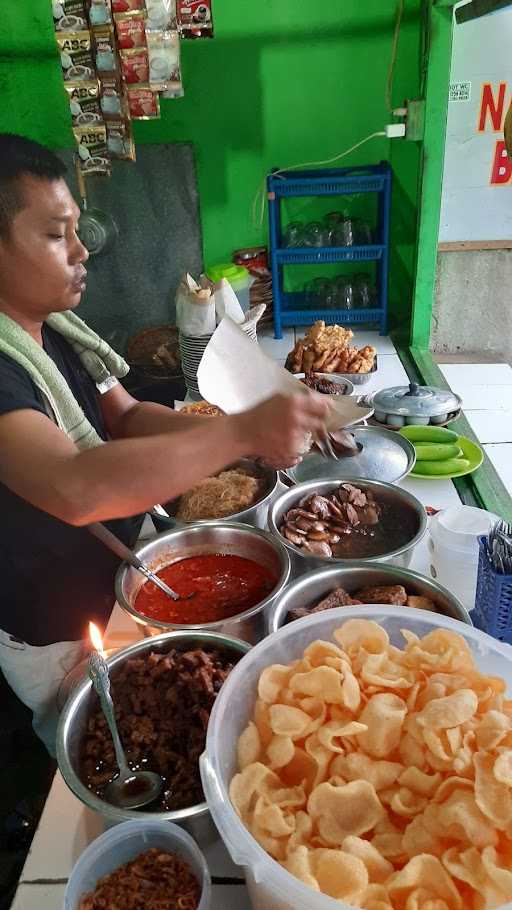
130 789
120 549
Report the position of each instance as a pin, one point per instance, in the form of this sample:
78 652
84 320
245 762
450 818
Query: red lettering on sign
492 106
502 165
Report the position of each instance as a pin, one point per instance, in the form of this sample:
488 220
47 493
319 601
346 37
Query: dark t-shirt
54 577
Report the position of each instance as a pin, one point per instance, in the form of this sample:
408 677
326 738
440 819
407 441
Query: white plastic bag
195 308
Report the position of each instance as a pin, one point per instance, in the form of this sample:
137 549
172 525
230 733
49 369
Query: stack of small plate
192 349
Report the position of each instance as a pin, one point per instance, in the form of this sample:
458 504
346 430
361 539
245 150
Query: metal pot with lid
415 404
369 453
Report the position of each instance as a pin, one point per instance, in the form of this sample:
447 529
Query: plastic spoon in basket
499 547
120 549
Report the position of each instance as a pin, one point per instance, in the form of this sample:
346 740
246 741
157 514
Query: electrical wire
394 51
258 205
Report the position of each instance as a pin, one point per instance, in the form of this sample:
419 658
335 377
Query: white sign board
477 183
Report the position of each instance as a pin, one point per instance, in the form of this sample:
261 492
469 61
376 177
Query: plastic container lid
459 527
235 274
271 887
121 844
416 401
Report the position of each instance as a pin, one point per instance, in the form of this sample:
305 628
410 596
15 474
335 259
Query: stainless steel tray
358 378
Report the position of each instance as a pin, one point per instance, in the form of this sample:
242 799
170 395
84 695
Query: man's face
41 258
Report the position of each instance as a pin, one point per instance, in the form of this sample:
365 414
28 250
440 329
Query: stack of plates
192 349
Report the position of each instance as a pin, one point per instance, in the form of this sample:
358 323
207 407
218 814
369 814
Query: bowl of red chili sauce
228 575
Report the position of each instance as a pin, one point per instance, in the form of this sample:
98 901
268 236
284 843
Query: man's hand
277 429
280 465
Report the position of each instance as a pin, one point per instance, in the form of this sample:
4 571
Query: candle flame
96 640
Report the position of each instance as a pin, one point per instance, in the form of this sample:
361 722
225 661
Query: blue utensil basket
493 604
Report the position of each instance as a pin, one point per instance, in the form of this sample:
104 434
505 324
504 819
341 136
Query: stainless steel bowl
195 819
208 537
255 515
333 377
310 588
302 562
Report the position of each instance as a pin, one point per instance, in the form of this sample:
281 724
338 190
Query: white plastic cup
270 886
453 548
122 844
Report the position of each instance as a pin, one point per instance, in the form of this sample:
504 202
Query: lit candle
96 640
98 667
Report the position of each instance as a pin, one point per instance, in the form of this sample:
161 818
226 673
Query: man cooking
75 447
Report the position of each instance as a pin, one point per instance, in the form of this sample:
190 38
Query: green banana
429 434
437 451
441 468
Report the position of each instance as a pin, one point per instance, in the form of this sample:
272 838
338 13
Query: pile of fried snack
326 349
202 409
382 776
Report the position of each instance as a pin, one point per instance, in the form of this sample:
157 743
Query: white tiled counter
486 392
67 827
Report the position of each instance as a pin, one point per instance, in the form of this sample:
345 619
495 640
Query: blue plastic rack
289 308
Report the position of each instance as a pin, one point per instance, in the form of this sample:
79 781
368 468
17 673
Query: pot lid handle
414 390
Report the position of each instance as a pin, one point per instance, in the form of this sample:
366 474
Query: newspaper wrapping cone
236 375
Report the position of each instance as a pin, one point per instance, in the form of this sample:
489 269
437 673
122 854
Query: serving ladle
120 549
130 789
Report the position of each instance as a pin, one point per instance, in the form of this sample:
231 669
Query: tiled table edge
480 384
491 427
470 374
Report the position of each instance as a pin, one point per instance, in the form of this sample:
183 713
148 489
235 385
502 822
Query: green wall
283 82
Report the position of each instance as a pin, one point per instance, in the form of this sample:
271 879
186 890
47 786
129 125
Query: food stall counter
67 826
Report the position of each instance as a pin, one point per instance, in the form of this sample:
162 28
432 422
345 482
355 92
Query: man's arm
125 417
127 476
